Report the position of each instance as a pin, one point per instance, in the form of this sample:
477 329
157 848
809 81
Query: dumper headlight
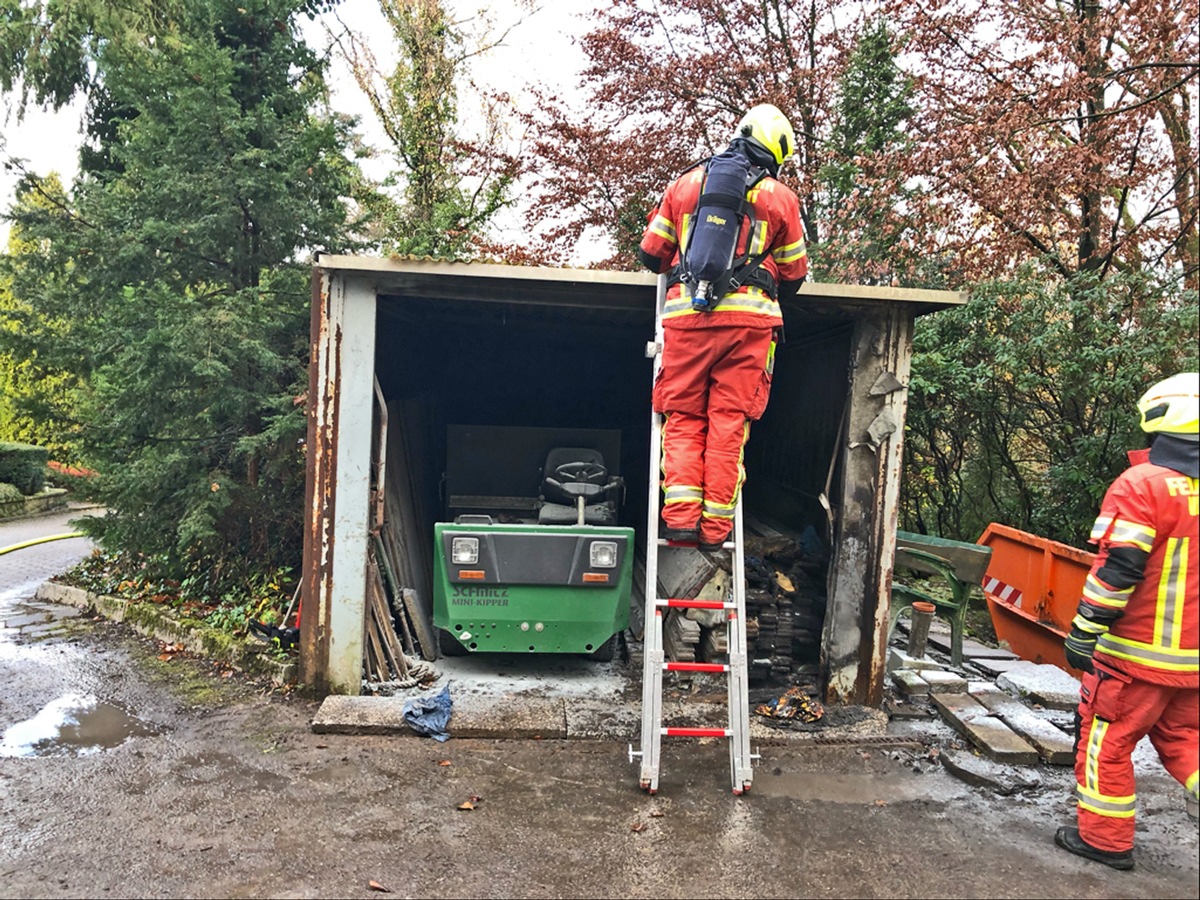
464 551
604 554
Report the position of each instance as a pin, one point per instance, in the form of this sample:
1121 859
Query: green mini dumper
555 578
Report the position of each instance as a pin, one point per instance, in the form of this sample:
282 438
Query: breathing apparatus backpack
706 264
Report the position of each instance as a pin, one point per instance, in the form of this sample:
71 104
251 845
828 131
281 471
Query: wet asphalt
127 770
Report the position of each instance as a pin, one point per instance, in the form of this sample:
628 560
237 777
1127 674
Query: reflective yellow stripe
754 300
682 494
1168 617
1091 764
1169 659
1088 793
1103 805
790 252
663 227
1088 626
1193 782
1097 592
1132 533
726 510
1101 526
751 299
759 239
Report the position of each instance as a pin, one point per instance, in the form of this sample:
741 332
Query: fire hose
41 540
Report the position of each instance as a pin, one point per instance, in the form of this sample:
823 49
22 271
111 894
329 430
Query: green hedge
24 466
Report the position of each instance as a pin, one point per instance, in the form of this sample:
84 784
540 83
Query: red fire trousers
1116 712
712 383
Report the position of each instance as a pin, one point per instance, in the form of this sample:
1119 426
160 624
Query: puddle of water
72 725
860 789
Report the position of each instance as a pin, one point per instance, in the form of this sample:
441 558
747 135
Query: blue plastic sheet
430 715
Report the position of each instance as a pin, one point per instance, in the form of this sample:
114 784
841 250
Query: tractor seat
572 473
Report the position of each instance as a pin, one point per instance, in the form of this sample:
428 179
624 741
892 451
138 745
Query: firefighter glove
1079 647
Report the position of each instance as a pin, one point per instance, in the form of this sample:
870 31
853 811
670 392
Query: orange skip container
1032 587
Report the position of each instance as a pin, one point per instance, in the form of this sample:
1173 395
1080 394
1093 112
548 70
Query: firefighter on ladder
717 363
1137 631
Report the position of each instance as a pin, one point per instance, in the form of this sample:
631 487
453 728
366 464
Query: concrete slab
901 710
972 649
473 716
898 659
1041 683
984 773
339 714
995 667
17 622
1052 744
986 731
944 682
909 683
1062 719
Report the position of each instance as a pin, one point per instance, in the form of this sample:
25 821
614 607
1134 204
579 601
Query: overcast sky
539 49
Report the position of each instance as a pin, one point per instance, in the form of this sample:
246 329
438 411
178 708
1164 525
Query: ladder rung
697 732
694 604
695 667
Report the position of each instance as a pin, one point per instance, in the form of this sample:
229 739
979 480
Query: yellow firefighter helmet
1172 406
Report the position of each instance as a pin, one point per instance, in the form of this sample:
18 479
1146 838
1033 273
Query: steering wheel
582 472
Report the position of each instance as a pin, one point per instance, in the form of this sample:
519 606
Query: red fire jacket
1148 568
777 228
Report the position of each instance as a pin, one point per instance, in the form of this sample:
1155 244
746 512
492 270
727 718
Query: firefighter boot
681 535
1068 838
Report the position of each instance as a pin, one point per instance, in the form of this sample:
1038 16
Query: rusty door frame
338 457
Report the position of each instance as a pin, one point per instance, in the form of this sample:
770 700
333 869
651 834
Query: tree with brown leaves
1055 129
663 86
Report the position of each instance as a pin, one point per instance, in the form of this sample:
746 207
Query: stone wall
47 501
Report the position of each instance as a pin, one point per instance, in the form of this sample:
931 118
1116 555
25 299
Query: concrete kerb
478 712
156 622
529 716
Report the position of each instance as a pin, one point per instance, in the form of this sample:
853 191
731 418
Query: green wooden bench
960 564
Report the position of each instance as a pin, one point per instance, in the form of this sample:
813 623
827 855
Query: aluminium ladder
654 659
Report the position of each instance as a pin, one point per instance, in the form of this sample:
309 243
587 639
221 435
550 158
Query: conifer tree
177 265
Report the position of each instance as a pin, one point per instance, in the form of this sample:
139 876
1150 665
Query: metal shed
488 344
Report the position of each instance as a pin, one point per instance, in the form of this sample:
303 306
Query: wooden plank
1053 745
422 622
406 536
380 630
683 571
392 644
680 636
392 592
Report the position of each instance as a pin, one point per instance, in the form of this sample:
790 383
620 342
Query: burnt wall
504 364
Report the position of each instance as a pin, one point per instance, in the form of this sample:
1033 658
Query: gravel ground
126 770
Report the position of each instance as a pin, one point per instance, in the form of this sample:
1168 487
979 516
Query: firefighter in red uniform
717 362
1137 630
